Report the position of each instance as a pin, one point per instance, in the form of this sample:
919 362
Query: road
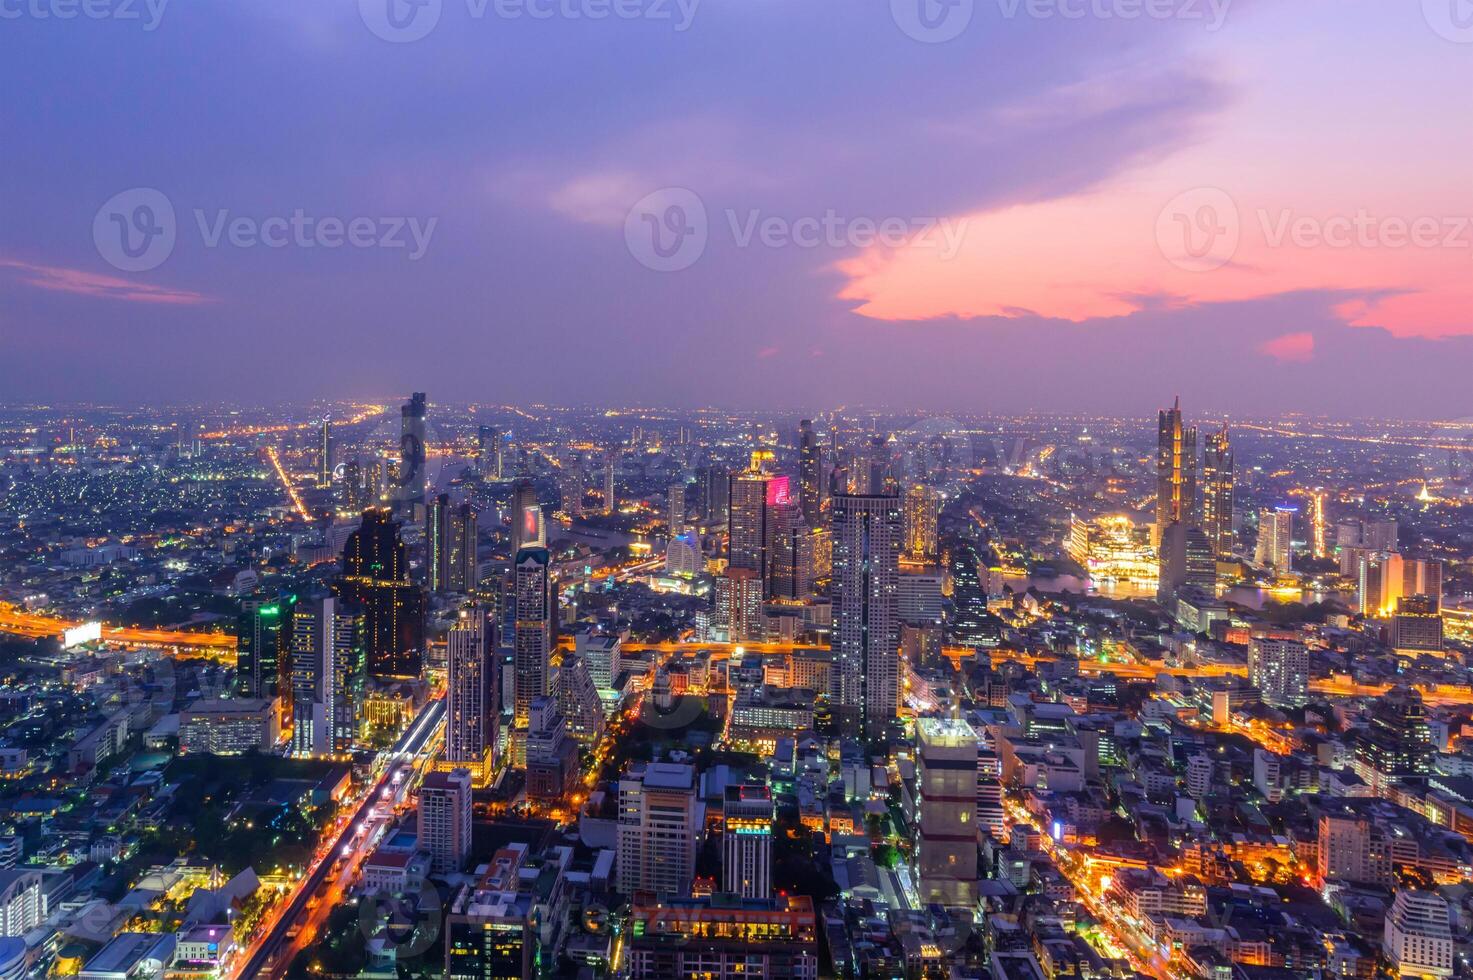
263 959
18 622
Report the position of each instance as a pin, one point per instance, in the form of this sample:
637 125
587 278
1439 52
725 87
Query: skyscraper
450 539
921 506
946 780
324 457
746 841
737 602
376 579
488 449
658 829
534 628
1275 539
610 497
471 710
810 474
528 527
261 644
1217 493
715 494
864 686
570 490
326 677
753 492
675 508
409 485
445 819
1176 471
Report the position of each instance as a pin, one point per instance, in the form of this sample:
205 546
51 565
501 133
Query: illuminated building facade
752 492
324 456
1113 549
450 537
261 642
327 677
810 474
445 819
922 505
721 936
1176 471
528 529
409 482
946 785
471 696
737 605
534 628
1275 539
864 690
660 821
1217 493
376 580
746 841
1279 668
1417 626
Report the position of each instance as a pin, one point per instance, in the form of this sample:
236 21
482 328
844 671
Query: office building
946 784
324 456
1275 548
229 727
1418 935
746 841
1380 535
660 821
375 580
1279 668
570 491
327 677
1176 471
737 605
753 491
790 554
810 474
1396 742
261 640
1385 578
535 606
579 700
409 480
611 500
471 703
489 451
1417 626
675 508
1186 560
445 819
490 933
528 524
864 692
450 542
922 505
552 757
683 556
1352 848
716 494
1217 494
720 936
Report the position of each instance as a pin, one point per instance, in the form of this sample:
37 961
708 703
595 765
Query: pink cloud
1290 348
766 352
80 283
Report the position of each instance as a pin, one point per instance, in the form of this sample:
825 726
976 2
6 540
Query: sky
948 205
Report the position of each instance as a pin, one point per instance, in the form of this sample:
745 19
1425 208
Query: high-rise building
946 784
261 644
471 709
1396 742
737 605
1418 935
409 483
1275 539
552 757
1351 847
746 841
1380 535
450 540
752 492
922 503
611 500
534 629
579 700
445 819
324 456
376 580
1186 559
660 821
327 675
790 554
570 489
528 524
675 508
1279 668
716 494
864 691
719 936
489 451
810 474
1417 626
683 555
1217 493
1386 577
1176 471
